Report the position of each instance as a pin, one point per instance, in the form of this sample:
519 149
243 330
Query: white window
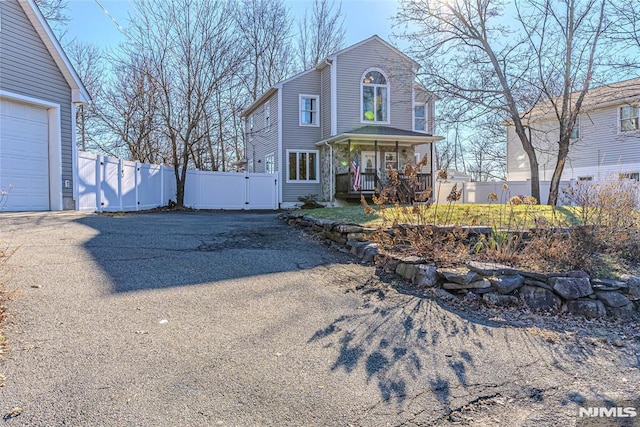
420 117
575 132
270 163
302 166
375 97
309 110
629 118
267 116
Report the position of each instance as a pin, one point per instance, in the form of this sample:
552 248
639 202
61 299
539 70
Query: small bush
310 201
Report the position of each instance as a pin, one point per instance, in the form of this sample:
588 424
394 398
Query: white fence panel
128 186
88 181
478 192
106 184
262 191
110 185
150 186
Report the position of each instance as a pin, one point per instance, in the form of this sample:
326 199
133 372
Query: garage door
24 156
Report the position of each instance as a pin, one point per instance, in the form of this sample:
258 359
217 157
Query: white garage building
38 92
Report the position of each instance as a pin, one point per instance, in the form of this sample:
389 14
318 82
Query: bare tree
56 12
265 27
546 57
88 61
320 33
189 48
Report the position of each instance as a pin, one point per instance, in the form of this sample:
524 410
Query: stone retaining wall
495 284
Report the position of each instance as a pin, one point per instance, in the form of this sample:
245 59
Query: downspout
332 176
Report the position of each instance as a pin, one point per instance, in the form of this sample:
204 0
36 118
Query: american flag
356 173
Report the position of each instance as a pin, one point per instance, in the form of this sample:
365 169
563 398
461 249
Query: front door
369 167
368 161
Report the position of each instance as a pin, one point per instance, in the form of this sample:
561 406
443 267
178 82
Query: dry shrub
412 228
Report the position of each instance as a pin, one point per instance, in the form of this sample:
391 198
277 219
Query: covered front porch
373 150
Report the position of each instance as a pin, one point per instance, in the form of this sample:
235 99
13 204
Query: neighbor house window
420 117
630 175
629 118
251 127
302 166
270 163
267 116
575 132
375 97
309 110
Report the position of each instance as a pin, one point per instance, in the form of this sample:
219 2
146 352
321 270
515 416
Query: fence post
99 164
120 173
136 170
161 183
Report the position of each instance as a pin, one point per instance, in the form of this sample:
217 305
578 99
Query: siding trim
54 143
280 154
79 93
334 96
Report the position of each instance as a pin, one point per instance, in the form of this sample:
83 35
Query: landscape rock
478 284
571 287
413 260
612 299
633 288
426 276
348 228
625 312
608 285
506 283
589 308
357 248
408 271
500 300
538 298
490 268
442 294
534 275
357 236
371 250
537 283
460 276
578 274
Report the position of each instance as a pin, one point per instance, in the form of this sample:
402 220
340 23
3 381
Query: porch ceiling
382 134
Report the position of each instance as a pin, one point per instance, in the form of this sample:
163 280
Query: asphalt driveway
234 319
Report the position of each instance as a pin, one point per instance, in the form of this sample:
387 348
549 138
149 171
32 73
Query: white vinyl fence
478 192
108 184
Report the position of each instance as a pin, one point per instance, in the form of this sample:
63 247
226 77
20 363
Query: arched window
375 97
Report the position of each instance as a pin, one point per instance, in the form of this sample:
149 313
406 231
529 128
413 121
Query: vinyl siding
326 102
27 68
351 66
265 139
600 146
296 137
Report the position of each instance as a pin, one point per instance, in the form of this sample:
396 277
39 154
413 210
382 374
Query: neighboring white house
359 103
606 139
38 92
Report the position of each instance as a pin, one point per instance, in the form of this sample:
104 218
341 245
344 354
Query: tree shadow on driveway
429 360
159 250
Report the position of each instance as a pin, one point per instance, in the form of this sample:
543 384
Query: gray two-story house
360 108
604 142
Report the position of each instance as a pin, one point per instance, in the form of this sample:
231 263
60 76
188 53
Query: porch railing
344 183
370 182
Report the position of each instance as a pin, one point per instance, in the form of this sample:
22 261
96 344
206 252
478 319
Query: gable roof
617 93
79 91
254 105
365 41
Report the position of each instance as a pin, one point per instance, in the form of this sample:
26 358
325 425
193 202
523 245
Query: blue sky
362 19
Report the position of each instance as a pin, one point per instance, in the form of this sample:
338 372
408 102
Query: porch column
349 183
397 158
375 164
